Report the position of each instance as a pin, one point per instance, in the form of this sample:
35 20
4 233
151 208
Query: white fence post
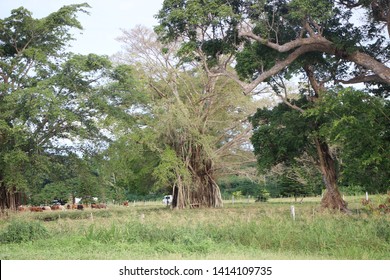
292 210
366 196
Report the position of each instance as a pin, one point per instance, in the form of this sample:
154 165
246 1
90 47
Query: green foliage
281 134
44 37
291 187
318 10
170 169
14 164
254 58
380 206
48 98
23 231
359 126
291 183
57 190
352 190
76 215
263 196
184 18
355 123
283 23
242 233
232 184
128 172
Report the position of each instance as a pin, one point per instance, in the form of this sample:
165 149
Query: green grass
237 231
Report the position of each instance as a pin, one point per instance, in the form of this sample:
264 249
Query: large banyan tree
196 122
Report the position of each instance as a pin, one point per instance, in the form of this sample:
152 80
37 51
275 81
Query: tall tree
196 122
45 98
349 32
323 40
357 127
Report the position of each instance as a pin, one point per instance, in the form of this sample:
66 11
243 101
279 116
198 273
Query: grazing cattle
22 208
126 203
58 207
98 206
46 208
80 207
36 209
55 207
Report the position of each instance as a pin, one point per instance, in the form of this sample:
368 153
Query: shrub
263 196
352 190
383 207
22 231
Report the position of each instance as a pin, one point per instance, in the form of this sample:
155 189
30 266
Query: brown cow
58 207
80 207
22 208
36 209
126 203
98 206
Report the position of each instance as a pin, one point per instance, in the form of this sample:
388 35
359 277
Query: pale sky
101 26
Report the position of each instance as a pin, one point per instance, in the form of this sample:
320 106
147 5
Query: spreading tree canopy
348 39
195 123
327 42
46 97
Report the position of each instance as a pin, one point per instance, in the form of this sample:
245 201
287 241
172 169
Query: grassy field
243 230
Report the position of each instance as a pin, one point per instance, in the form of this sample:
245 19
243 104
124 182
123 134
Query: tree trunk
203 191
10 198
332 198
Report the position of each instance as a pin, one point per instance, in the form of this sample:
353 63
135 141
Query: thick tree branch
316 39
306 45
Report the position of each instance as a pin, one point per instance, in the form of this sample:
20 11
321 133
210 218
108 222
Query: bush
352 190
263 196
382 207
22 231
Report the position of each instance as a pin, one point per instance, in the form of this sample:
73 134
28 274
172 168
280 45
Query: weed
22 231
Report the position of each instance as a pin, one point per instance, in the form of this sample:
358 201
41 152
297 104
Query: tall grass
240 231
